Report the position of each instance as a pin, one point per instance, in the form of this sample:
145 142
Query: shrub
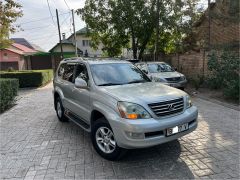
29 78
224 73
8 91
197 81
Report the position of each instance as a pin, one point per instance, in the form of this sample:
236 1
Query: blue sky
38 26
44 31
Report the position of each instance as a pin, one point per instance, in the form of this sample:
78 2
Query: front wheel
104 141
60 110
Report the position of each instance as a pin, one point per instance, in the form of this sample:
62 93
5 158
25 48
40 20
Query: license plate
176 129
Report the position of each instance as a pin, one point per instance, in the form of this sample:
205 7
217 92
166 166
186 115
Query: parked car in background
164 73
120 106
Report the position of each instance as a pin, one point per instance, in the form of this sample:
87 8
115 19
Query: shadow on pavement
161 161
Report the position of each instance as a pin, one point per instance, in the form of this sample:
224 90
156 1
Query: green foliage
115 23
29 78
224 73
9 12
119 23
197 81
8 91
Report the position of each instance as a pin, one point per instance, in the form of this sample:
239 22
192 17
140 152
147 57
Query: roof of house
84 30
26 43
65 41
23 48
15 51
23 42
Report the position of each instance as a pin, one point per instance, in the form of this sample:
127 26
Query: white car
164 73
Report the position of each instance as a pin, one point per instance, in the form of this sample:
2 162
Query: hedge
8 91
29 78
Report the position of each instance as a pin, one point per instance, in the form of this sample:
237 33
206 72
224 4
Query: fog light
134 135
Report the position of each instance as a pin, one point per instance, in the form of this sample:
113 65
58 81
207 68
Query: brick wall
224 26
190 63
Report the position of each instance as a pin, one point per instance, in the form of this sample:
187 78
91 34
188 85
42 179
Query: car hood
143 92
166 74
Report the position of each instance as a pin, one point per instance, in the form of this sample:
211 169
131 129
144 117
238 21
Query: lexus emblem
171 107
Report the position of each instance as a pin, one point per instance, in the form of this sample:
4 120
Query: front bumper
180 84
156 128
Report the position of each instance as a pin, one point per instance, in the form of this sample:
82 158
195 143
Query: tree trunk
134 47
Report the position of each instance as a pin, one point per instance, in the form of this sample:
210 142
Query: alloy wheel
105 140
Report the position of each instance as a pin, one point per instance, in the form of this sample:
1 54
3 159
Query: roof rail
73 58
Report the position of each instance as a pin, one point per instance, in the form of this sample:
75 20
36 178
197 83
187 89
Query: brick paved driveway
35 145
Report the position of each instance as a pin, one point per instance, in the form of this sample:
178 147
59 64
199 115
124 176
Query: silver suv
120 106
164 73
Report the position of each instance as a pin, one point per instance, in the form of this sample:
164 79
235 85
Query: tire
100 129
60 110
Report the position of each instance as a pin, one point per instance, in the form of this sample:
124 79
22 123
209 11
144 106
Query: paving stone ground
35 145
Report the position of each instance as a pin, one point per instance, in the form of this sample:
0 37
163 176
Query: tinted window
66 72
160 67
113 74
81 72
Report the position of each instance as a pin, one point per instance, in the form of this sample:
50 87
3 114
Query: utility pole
74 31
59 33
157 32
209 25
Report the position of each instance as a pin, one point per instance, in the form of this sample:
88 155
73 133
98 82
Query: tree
125 22
175 23
118 23
9 12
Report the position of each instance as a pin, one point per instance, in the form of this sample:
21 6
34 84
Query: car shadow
162 161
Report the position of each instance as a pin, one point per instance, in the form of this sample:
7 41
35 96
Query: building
224 26
222 33
83 45
15 57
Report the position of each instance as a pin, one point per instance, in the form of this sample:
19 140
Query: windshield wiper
109 84
137 81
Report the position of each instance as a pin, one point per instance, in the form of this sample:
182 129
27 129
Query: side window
81 72
61 70
66 72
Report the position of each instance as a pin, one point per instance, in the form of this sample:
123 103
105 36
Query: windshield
160 67
117 74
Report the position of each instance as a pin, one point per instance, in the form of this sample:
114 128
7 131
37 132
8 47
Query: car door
81 97
66 73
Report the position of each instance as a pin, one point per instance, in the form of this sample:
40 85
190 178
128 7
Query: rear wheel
60 110
104 141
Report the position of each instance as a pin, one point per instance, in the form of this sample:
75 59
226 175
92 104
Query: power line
39 27
67 4
50 12
40 19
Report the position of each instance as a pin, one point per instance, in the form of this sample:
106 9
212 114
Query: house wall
91 52
8 56
224 27
66 48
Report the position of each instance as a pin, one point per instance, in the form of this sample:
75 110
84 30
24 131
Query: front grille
173 79
166 108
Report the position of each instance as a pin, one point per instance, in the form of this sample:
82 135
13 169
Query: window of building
86 42
5 56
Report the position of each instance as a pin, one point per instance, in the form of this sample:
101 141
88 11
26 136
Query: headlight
182 78
188 102
132 111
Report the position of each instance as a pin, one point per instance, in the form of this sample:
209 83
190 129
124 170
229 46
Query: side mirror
80 83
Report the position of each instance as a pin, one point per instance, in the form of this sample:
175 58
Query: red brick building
15 57
224 33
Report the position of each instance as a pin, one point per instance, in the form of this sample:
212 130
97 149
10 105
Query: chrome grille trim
163 108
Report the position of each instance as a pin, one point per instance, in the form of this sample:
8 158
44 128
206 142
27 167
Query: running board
77 120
